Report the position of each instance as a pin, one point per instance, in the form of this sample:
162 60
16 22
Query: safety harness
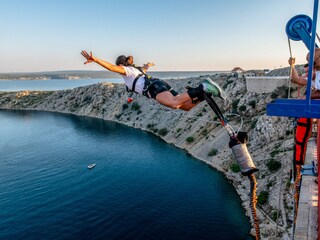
150 83
303 133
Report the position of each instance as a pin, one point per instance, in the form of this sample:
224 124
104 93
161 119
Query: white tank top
131 74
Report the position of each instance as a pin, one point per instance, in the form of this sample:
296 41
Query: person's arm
145 67
295 78
111 67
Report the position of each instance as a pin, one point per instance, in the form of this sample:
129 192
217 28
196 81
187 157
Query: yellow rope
296 190
289 83
253 204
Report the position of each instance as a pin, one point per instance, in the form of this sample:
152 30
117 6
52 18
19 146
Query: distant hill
285 71
73 74
83 74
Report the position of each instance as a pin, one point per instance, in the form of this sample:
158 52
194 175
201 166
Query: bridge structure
303 28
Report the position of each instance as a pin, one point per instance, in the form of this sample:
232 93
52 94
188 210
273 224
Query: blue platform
294 108
298 28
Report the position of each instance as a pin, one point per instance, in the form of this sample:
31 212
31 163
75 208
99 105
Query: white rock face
196 131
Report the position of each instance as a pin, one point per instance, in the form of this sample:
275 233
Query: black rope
213 105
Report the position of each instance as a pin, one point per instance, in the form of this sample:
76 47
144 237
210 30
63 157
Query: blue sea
141 188
62 84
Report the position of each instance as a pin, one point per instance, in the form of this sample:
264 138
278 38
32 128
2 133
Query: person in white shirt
136 80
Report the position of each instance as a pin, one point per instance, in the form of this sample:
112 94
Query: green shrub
282 91
135 106
163 132
270 184
275 152
252 103
289 132
204 132
212 152
274 215
125 106
263 197
243 108
274 95
235 168
273 165
235 104
253 123
87 98
190 139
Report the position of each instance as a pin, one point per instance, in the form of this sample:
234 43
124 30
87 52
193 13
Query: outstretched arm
113 68
145 67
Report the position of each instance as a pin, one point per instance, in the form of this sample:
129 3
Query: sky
176 35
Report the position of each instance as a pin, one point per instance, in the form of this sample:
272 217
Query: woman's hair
122 59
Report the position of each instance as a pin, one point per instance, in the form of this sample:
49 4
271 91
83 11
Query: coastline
107 101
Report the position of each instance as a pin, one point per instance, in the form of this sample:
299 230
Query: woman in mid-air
137 81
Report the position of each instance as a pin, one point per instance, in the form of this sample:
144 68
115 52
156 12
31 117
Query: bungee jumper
129 62
138 81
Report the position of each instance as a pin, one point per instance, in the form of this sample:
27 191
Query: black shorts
158 86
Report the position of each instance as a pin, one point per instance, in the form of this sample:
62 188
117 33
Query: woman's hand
89 58
149 64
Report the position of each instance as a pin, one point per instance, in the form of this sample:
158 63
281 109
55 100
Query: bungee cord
238 145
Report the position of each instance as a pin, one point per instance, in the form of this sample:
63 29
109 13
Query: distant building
237 72
252 73
237 69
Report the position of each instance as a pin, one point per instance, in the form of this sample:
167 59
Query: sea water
141 187
62 84
50 85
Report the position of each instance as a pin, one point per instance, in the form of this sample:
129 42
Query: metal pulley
299 28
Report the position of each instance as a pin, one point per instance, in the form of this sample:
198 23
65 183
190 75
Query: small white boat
91 165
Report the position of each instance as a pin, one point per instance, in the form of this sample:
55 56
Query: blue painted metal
309 170
312 47
294 107
299 28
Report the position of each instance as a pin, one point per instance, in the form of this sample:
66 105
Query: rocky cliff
198 132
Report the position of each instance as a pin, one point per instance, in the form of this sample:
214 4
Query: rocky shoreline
197 132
